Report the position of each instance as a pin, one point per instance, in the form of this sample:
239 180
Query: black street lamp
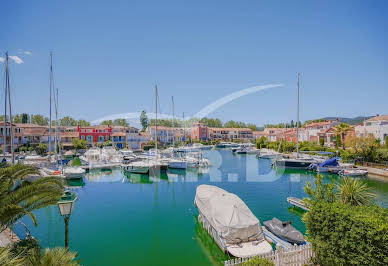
66 206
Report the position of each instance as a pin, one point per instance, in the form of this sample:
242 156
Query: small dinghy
285 231
353 172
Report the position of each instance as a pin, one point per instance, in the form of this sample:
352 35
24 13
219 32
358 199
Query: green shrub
348 235
258 261
386 142
76 162
261 142
41 149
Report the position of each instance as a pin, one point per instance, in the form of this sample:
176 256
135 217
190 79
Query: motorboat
177 164
226 145
293 163
285 231
267 154
230 222
353 172
73 172
140 167
325 166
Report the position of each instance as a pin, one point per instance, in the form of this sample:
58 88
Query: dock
297 202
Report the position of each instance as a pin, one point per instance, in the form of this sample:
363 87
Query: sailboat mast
5 106
173 122
56 123
51 81
184 126
156 119
297 120
10 113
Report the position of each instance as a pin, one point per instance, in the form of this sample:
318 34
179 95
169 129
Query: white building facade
376 126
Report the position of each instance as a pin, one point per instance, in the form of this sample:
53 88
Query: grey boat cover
228 215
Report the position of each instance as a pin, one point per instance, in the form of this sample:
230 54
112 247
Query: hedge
348 235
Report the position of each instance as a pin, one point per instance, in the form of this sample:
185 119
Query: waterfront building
230 134
169 135
118 137
67 134
329 136
311 131
32 133
199 131
136 139
17 136
95 134
376 126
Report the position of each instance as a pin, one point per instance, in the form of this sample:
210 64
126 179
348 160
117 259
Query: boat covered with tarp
285 230
230 222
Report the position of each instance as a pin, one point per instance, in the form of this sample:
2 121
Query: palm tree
354 192
19 196
51 257
33 257
8 259
340 130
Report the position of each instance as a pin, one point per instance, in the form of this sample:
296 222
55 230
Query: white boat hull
137 169
177 165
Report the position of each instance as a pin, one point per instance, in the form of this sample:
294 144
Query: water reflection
208 245
104 175
75 183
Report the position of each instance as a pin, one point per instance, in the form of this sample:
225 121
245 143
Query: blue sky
109 54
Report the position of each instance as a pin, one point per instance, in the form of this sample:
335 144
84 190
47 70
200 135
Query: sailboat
295 163
155 165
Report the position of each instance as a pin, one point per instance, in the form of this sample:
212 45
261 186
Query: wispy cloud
24 52
2 59
16 59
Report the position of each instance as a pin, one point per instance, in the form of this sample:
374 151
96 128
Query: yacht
177 163
267 154
73 172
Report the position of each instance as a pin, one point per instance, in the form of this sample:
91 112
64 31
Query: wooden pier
297 202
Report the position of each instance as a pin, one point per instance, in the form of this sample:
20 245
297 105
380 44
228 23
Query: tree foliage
79 144
211 122
68 121
30 252
144 120
341 130
39 120
120 122
348 235
41 149
320 192
20 197
354 192
83 123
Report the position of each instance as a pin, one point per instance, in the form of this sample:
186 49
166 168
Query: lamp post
66 206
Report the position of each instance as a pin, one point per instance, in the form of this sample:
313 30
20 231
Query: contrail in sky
134 117
230 97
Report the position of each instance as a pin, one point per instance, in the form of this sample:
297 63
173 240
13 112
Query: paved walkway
8 237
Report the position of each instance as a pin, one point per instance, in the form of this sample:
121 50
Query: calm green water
136 220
